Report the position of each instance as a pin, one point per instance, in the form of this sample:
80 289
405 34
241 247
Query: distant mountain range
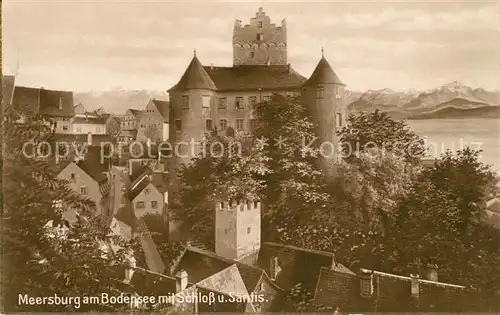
117 101
452 100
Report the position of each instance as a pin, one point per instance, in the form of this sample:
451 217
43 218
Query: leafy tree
441 222
226 169
377 130
36 261
294 184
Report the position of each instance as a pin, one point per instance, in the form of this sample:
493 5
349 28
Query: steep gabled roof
195 77
93 170
136 112
56 103
26 99
225 281
153 258
201 264
162 107
323 74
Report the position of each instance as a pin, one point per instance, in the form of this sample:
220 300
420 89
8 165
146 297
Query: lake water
454 134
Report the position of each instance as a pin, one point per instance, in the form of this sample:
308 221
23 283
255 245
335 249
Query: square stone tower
237 228
260 42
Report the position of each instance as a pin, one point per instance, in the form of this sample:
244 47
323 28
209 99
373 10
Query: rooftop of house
44 102
101 120
389 293
135 112
298 265
128 133
201 264
153 258
163 108
238 78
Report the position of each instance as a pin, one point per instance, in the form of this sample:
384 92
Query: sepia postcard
337 157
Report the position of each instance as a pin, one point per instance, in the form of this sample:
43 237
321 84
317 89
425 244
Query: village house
130 119
57 106
148 193
89 123
154 122
87 177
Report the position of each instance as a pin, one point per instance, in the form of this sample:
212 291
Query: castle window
139 204
83 190
255 204
223 103
178 125
249 229
320 92
154 204
339 93
240 104
208 124
185 101
260 37
239 124
223 123
252 100
260 24
338 120
205 101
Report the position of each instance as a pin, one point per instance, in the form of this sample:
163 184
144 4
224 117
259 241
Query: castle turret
192 102
324 93
237 228
259 41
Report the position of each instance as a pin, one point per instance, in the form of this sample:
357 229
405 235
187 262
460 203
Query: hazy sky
98 45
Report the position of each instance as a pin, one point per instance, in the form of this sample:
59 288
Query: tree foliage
43 261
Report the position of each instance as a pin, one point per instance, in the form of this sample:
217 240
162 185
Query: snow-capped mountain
410 102
117 101
448 92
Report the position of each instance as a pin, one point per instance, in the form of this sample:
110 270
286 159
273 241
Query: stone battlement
241 205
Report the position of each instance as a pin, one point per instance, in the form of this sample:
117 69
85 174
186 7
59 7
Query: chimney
181 281
268 62
129 272
274 268
415 287
289 69
211 66
60 103
431 272
89 138
366 285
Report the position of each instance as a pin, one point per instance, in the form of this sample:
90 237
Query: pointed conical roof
195 77
323 74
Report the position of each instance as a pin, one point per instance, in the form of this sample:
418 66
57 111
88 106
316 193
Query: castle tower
237 228
324 95
191 102
260 42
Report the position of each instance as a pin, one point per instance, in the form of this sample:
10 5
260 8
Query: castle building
208 97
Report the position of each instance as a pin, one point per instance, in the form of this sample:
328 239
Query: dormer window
320 92
260 37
